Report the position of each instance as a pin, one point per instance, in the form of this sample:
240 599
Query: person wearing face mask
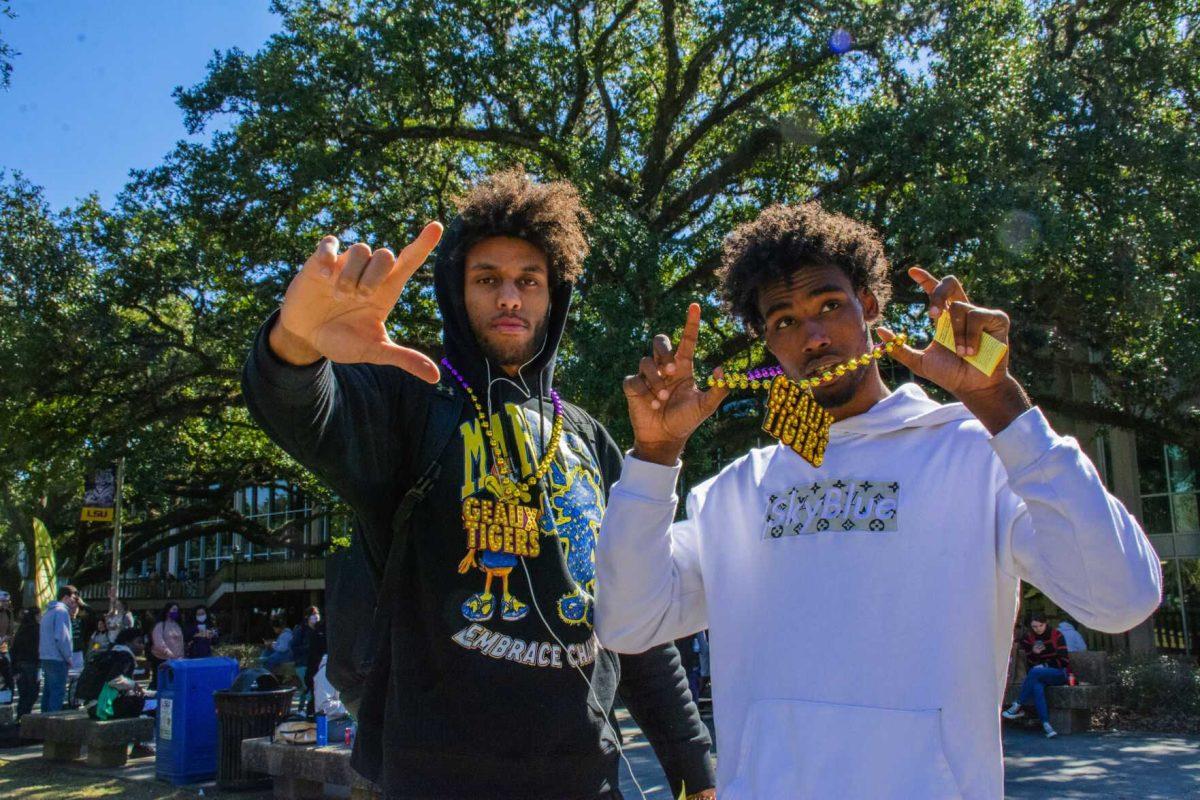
166 641
200 636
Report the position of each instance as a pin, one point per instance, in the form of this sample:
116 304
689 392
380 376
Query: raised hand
338 304
665 404
995 399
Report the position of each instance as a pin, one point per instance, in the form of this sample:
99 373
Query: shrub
1156 684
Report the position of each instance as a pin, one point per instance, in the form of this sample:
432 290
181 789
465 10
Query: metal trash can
250 709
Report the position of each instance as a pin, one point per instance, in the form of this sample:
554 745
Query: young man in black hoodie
492 684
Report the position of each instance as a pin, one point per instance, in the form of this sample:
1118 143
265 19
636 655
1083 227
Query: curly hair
549 216
783 240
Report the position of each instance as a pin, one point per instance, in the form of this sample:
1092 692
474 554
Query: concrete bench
65 733
1071 707
300 772
8 714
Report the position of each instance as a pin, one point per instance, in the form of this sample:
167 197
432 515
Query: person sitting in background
24 655
103 637
201 634
279 650
7 629
1048 659
120 696
166 641
1073 638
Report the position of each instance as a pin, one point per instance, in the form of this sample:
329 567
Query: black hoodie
483 696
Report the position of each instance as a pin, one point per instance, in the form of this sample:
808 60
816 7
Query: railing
1168 630
256 571
147 589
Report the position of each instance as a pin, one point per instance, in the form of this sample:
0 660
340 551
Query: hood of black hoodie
459 341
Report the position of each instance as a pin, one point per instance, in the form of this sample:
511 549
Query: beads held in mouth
761 378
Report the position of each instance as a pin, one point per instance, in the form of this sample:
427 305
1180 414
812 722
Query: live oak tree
1046 152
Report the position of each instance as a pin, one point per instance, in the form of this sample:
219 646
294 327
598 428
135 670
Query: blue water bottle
322 729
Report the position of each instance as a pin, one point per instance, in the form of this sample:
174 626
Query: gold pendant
795 418
494 524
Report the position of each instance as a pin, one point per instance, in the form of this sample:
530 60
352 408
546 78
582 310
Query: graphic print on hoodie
571 507
480 698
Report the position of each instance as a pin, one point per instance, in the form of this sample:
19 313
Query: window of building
1170 491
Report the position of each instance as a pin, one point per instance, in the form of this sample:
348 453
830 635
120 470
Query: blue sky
91 87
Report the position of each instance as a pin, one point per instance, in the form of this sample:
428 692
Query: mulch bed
1114 718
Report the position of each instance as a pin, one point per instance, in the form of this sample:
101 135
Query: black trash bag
255 679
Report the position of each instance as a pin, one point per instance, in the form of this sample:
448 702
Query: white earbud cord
523 386
591 688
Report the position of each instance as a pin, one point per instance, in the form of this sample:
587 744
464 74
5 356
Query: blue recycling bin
186 726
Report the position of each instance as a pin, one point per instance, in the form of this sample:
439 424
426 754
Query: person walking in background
300 637
24 654
201 635
317 646
54 647
78 640
166 641
1048 659
7 629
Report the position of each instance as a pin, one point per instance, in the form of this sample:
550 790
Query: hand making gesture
995 399
338 304
665 404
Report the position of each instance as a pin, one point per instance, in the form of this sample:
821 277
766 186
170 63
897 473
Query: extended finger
948 291
324 261
687 342
664 356
410 259
376 272
411 361
354 261
648 369
924 279
908 356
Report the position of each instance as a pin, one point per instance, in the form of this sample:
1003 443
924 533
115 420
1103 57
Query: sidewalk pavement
1089 766
1101 766
1086 766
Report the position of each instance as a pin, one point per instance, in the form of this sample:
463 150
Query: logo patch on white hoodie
836 505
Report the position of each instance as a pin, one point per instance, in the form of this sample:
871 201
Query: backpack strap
443 407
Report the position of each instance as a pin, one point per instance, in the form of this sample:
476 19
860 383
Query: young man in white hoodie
817 583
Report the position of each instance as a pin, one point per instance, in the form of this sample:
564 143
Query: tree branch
741 159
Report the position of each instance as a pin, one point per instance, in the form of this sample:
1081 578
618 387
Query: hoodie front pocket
800 750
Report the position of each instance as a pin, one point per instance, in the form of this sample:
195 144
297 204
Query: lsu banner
99 495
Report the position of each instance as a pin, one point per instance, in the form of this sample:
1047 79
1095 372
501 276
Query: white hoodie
861 614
